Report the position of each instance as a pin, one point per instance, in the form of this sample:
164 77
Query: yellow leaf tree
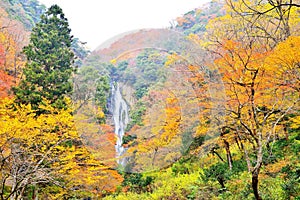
45 153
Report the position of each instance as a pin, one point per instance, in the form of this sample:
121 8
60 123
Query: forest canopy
206 109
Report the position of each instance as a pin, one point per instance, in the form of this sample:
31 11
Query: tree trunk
256 169
13 192
154 156
221 182
255 184
228 154
35 193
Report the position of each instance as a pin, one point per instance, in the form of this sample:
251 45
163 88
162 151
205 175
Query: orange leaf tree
259 82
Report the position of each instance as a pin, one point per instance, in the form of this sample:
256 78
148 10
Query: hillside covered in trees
206 109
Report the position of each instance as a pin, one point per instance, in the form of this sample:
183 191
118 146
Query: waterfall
121 118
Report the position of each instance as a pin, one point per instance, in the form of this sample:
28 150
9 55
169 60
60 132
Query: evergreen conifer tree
49 62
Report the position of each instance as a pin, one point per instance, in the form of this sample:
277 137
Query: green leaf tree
49 62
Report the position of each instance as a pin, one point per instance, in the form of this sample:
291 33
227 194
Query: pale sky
96 21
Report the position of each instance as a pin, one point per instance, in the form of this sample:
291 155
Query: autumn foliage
221 123
13 37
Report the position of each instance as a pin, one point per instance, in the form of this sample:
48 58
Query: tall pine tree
49 62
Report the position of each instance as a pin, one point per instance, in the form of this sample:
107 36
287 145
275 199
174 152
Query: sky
96 21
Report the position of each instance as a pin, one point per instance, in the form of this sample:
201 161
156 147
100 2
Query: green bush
137 183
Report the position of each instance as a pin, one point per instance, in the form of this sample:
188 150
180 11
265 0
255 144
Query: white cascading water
121 119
